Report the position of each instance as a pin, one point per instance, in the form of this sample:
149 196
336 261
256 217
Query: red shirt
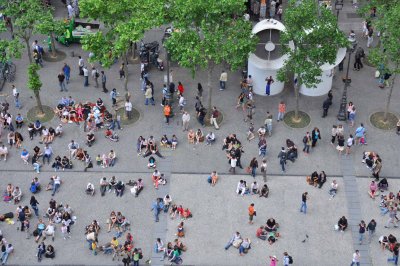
181 89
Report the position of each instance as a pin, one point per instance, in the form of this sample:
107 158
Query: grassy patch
302 121
377 121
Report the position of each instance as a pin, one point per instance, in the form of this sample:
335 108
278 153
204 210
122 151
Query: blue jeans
384 210
17 104
146 102
86 83
360 237
112 126
241 249
306 148
303 207
4 257
222 85
282 162
63 87
156 214
253 171
356 263
135 263
46 156
201 120
280 116
67 77
269 128
36 167
90 243
394 259
228 245
36 210
55 188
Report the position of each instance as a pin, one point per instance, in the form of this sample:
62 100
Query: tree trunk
53 45
126 71
296 95
133 51
209 74
29 50
38 101
389 96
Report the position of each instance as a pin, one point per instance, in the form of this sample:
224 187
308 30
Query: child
98 159
152 162
26 224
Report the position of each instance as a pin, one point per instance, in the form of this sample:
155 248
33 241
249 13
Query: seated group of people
269 231
12 194
169 143
388 202
106 161
112 184
198 136
63 163
118 222
172 251
254 189
374 163
316 180
47 134
389 242
149 146
176 210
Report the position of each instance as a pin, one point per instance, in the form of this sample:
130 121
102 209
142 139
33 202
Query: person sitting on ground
383 184
174 142
90 139
137 187
90 189
334 187
244 246
255 188
210 138
165 142
236 238
261 233
271 225
17 195
66 163
241 188
199 136
152 149
261 132
264 191
191 136
3 152
152 162
314 179
214 178
372 189
384 242
342 223
59 130
321 179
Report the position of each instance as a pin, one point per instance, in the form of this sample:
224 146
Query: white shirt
224 76
210 136
50 229
350 142
356 257
186 117
70 11
3 150
85 72
181 101
57 180
80 62
15 91
128 106
334 185
59 129
233 162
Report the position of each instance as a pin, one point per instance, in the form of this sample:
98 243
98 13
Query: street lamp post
342 115
338 7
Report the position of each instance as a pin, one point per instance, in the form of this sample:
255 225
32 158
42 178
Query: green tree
125 22
50 27
9 48
388 53
316 40
209 33
35 84
24 15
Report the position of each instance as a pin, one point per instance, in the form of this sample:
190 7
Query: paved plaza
218 212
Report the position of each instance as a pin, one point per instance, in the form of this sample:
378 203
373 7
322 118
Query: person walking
103 81
359 54
233 162
214 117
360 132
361 231
356 258
333 134
315 135
371 229
370 37
67 72
122 71
34 204
281 111
61 82
269 81
128 109
392 218
252 213
350 142
80 65
222 80
325 106
304 198
113 96
85 76
395 256
156 208
185 121
253 167
268 124
282 158
15 93
95 76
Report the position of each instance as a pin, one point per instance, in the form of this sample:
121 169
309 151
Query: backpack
305 139
97 74
290 260
33 188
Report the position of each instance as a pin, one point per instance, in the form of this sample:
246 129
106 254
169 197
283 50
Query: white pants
214 122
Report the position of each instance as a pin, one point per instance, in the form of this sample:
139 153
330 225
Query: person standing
268 124
307 141
315 135
103 81
356 258
167 113
113 96
371 229
264 169
214 117
360 132
156 208
392 218
122 71
222 80
286 259
395 256
61 82
350 142
85 76
67 72
185 121
80 65
252 213
15 93
233 162
370 37
253 166
281 111
263 9
269 81
34 204
282 158
128 109
199 90
304 198
95 76
325 106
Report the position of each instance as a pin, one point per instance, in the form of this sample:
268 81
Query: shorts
340 148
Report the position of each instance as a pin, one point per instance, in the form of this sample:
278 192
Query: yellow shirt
114 243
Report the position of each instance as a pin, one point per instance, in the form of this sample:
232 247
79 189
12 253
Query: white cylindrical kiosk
267 59
325 85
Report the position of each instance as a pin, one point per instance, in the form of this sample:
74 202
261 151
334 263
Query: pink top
273 262
373 187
